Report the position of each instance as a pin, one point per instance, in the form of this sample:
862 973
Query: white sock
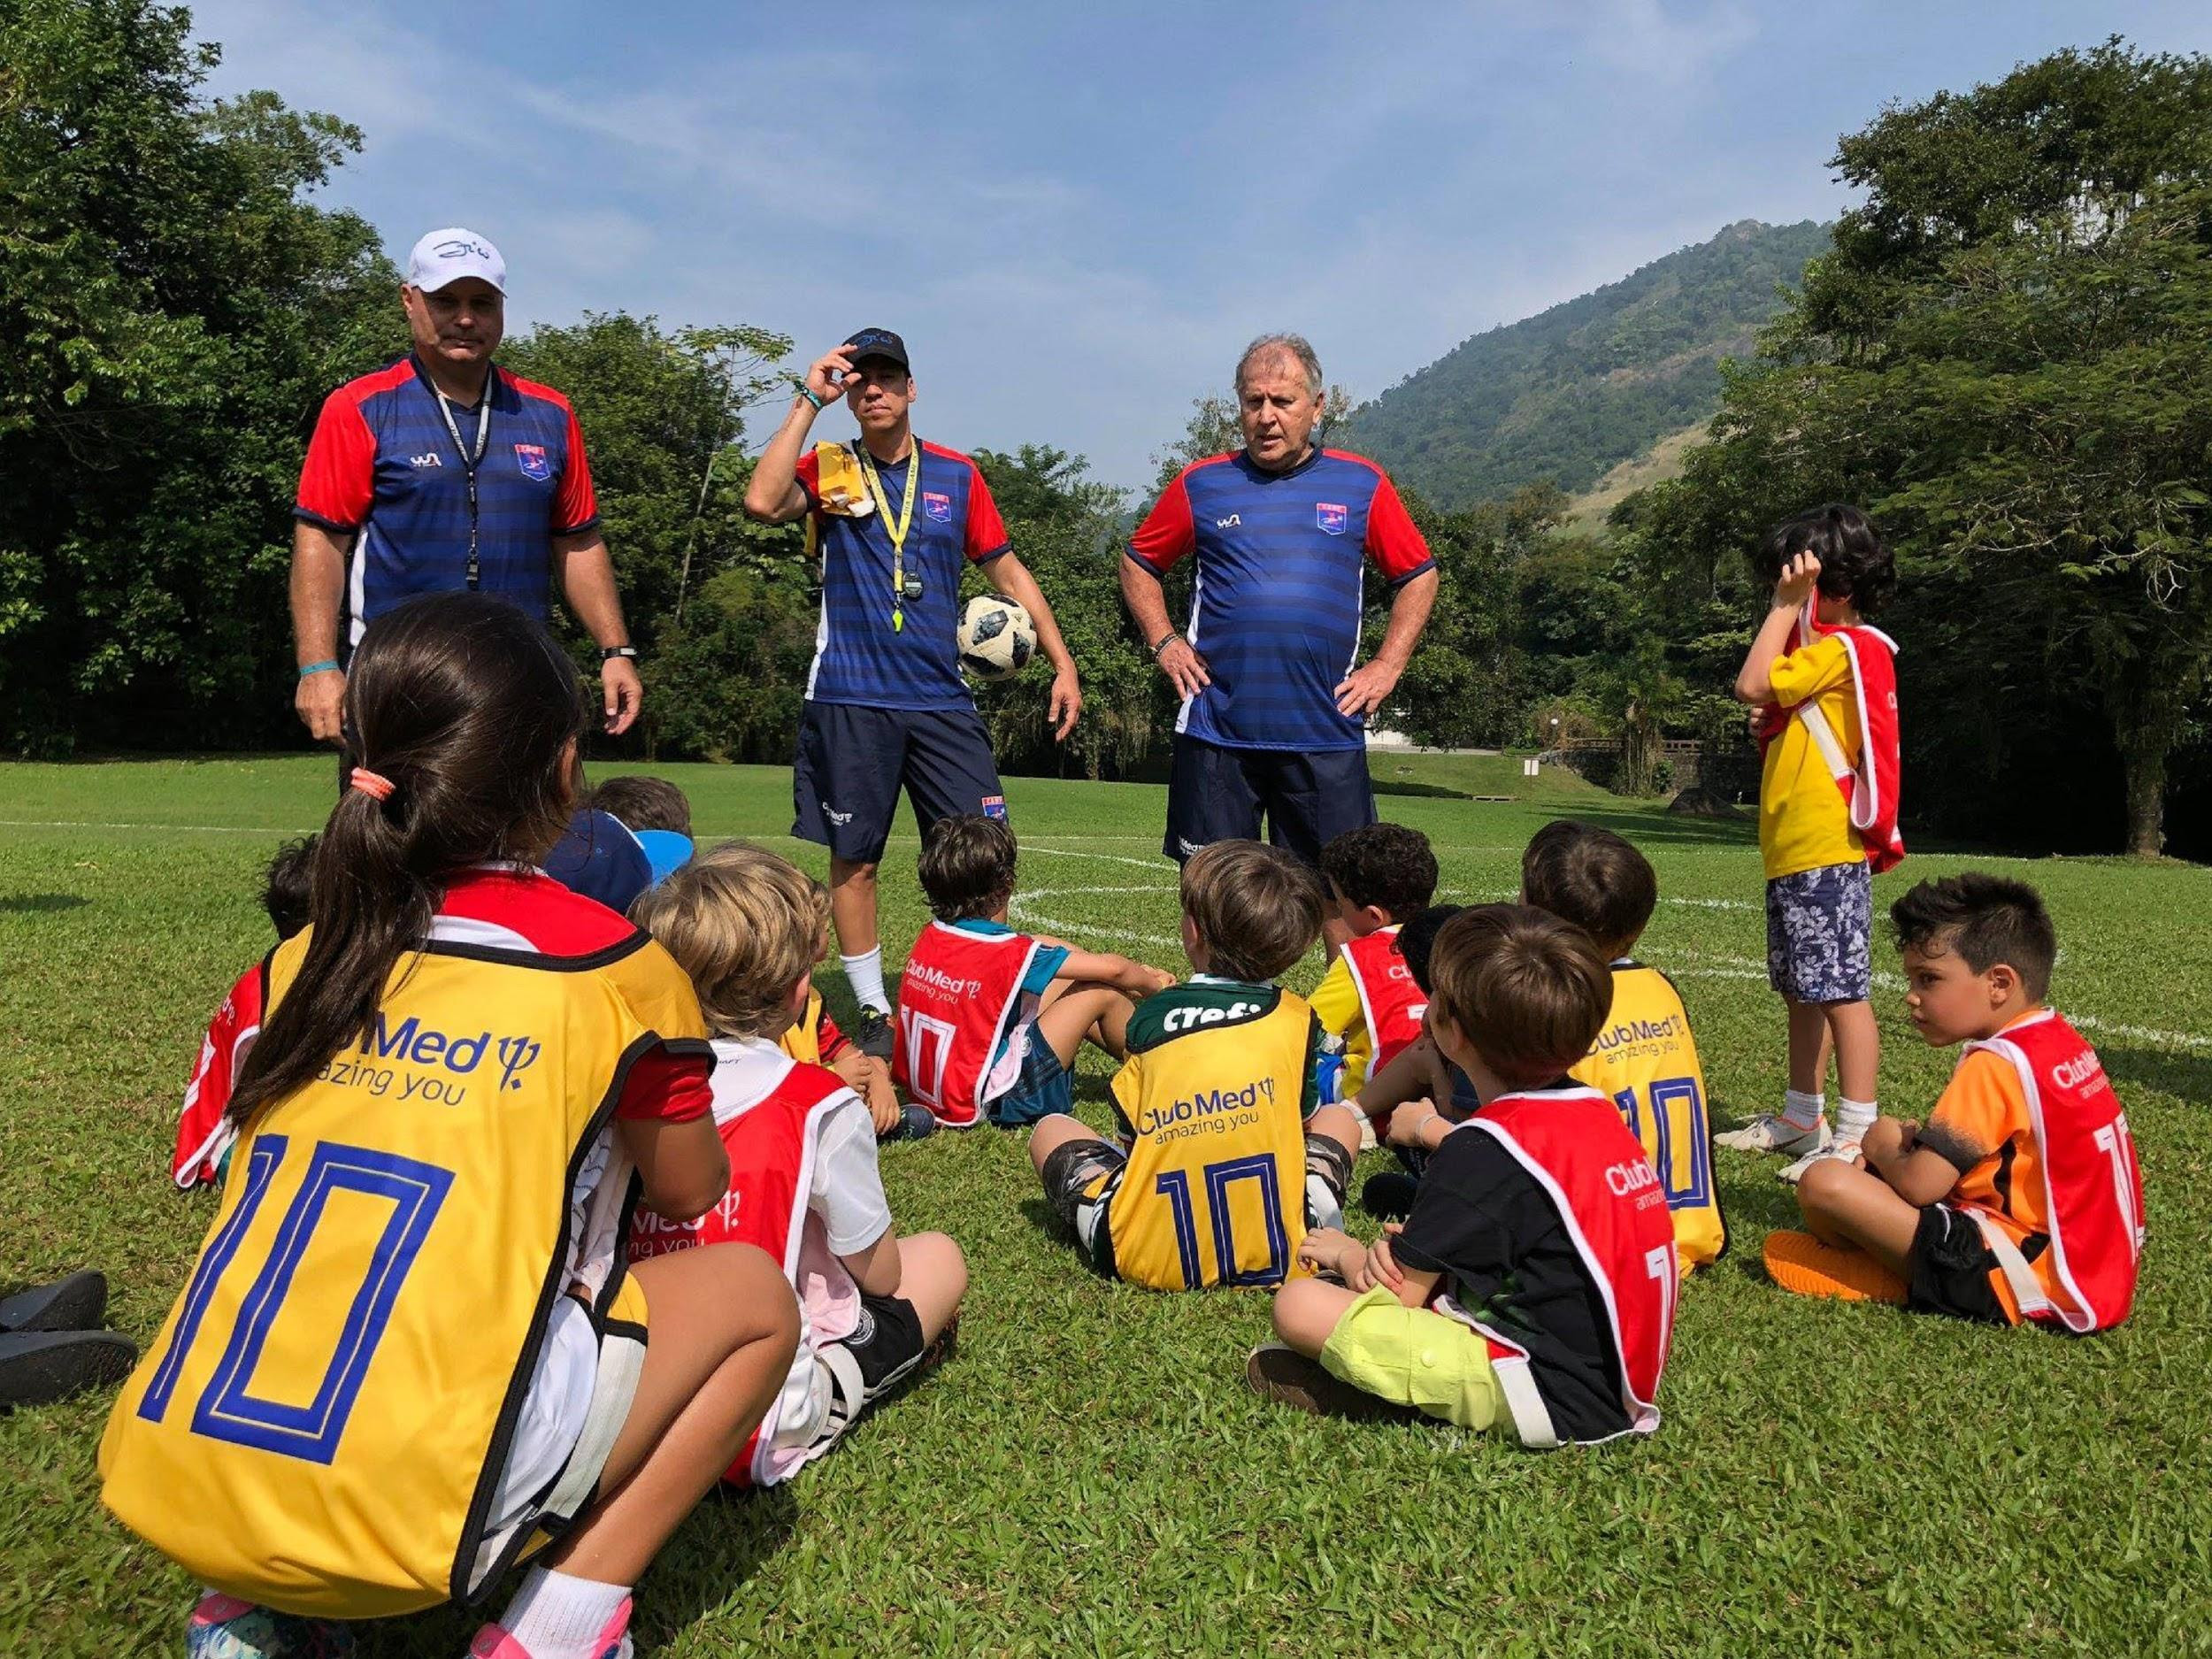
1800 1110
557 1617
1854 1119
864 974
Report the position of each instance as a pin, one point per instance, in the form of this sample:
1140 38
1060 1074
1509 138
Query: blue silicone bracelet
316 668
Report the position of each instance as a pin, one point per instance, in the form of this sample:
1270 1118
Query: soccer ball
997 638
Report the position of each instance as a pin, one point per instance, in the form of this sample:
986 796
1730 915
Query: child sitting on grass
1645 1060
816 1040
1379 877
1227 1157
1827 815
2020 1198
1417 1076
204 1132
745 926
990 1020
655 811
1533 1284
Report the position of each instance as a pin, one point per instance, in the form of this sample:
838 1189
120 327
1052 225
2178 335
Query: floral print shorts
1820 933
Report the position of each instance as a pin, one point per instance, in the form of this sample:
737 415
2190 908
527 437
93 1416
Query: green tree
175 308
2004 360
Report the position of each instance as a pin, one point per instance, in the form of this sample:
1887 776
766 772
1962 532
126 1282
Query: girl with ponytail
409 1354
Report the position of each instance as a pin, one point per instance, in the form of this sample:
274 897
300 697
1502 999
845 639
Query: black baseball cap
879 343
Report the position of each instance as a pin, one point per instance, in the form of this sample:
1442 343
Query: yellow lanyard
896 530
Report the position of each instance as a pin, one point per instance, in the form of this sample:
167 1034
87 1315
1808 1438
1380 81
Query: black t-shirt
1483 1221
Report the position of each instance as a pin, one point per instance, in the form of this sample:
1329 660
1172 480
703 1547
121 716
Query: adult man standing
886 706
1274 710
443 472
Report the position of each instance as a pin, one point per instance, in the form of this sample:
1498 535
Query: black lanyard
470 462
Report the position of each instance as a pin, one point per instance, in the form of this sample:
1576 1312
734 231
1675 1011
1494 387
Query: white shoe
1769 1133
1795 1173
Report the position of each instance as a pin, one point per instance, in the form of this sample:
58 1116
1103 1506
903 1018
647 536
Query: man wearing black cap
886 705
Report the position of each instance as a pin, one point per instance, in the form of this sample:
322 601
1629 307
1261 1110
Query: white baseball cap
449 255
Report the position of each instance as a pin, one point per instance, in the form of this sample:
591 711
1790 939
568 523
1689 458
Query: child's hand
1889 1140
883 1100
1381 1268
1407 1121
1156 979
1799 580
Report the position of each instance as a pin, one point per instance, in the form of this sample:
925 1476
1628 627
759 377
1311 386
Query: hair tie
372 784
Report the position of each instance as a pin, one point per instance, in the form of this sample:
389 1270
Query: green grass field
1090 1474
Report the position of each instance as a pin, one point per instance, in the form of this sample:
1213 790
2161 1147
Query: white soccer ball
997 638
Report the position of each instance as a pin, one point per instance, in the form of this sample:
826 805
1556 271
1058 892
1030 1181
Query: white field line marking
1743 968
1021 909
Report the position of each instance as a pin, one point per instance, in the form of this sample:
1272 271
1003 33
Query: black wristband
608 653
1166 640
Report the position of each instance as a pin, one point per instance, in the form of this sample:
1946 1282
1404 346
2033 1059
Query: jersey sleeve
201 1128
1168 533
667 1087
575 505
338 477
829 1041
1979 1110
808 476
1336 999
985 538
1393 540
1044 967
1804 674
848 1191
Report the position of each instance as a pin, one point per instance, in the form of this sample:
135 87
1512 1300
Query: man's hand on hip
321 699
1067 702
1180 661
1360 693
623 691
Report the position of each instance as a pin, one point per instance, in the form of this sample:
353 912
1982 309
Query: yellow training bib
321 1424
1215 1094
1645 1061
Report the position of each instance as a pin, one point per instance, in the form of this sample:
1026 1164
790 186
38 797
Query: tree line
2003 356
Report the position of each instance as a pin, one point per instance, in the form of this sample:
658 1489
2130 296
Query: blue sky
1077 215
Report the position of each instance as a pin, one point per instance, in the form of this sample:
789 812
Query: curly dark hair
1854 563
1387 865
1987 919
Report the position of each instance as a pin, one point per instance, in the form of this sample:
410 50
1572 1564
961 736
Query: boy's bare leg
1849 1206
1307 1310
933 1276
1096 1013
1858 1047
1809 1048
1051 1133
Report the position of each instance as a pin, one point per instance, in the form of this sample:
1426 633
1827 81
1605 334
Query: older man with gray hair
1275 702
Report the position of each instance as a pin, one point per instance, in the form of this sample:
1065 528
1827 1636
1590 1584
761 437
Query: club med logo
1211 1103
923 974
1624 1180
2083 1072
1333 517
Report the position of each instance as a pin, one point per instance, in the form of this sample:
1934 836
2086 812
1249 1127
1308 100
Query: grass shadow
41 904
1435 791
2186 1077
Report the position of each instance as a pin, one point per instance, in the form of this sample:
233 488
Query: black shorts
888 1341
1950 1267
853 761
1218 794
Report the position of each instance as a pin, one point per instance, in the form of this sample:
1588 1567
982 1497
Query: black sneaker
75 1304
1283 1375
36 1366
872 1035
1388 1196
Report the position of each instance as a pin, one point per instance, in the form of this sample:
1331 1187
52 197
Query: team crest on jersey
994 806
533 461
1331 515
938 505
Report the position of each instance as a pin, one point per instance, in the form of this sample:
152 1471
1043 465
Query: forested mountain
1567 394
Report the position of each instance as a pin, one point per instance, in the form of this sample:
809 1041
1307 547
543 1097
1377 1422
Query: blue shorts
1820 934
853 761
1218 794
1044 1088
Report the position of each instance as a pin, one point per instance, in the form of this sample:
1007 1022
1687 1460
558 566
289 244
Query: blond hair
744 925
1255 907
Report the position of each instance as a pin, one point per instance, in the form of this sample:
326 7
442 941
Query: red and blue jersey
858 657
382 466
1276 609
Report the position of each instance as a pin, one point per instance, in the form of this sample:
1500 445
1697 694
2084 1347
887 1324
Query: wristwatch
608 653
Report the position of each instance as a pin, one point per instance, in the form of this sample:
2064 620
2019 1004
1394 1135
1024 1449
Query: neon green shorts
1414 1357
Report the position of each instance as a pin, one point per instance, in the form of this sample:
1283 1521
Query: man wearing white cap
443 472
